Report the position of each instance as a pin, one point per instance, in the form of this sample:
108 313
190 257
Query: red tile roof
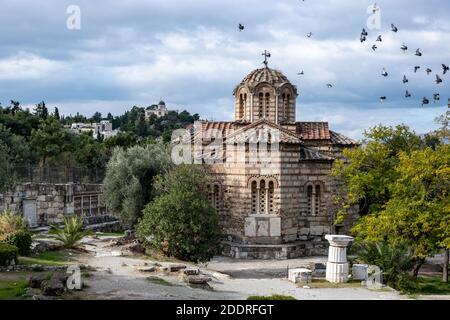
313 130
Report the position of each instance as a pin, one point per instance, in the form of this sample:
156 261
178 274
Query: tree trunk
445 269
417 268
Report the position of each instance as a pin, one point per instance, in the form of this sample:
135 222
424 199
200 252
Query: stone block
359 272
316 230
304 231
250 227
263 228
300 275
275 227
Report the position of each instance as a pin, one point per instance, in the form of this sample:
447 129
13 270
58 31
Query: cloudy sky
191 54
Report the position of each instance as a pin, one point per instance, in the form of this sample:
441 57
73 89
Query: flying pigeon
404 47
362 39
309 35
301 73
436 97
374 47
407 94
416 68
445 67
429 71
438 79
425 101
382 99
394 28
405 79
329 85
364 32
384 73
379 38
241 27
418 53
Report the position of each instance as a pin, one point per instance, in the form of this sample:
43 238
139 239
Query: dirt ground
117 276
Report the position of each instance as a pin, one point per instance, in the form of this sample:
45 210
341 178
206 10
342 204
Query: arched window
254 197
214 196
317 199
262 197
261 105
314 199
285 105
244 113
241 107
262 194
271 191
267 105
309 195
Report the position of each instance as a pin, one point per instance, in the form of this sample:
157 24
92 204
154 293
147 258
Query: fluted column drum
337 265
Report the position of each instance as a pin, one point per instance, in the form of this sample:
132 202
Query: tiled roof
337 138
309 154
271 76
285 135
313 130
265 75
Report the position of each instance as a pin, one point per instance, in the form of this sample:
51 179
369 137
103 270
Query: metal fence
57 174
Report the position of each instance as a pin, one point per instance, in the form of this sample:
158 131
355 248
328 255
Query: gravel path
118 277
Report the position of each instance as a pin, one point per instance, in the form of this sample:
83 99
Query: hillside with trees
40 138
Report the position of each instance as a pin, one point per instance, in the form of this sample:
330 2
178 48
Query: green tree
90 153
97 117
56 114
6 172
41 110
127 186
418 211
368 171
122 139
180 221
51 140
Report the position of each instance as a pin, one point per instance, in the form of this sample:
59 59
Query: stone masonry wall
52 201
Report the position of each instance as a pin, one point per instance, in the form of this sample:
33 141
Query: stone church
275 196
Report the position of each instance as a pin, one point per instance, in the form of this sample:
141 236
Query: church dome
264 75
265 94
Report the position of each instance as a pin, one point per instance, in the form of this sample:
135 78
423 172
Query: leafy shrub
181 221
8 253
396 261
10 223
72 232
128 183
22 240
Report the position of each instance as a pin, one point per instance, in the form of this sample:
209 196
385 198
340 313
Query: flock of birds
418 53
384 73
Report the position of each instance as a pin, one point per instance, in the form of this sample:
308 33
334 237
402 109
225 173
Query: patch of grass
160 281
431 285
49 258
322 283
12 289
272 297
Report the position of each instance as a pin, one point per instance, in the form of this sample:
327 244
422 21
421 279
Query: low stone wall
42 204
279 252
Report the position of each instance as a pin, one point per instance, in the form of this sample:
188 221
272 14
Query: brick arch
259 178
